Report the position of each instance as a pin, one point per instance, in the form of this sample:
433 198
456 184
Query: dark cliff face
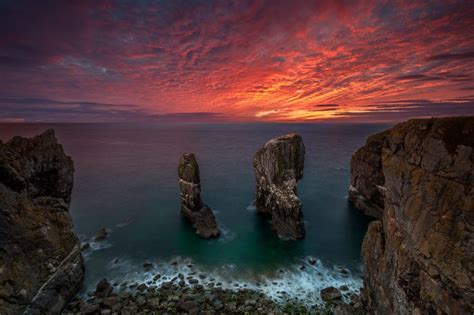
192 207
278 166
40 258
418 259
367 180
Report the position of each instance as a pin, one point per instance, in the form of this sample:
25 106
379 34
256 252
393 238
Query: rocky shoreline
174 297
416 178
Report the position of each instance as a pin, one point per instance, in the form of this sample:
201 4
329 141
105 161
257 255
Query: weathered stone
187 306
192 207
103 289
367 180
101 235
147 266
330 294
418 259
111 302
40 255
278 166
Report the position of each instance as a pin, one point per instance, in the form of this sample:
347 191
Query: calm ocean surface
126 181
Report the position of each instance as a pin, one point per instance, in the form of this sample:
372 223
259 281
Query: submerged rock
418 258
192 207
101 235
278 166
40 255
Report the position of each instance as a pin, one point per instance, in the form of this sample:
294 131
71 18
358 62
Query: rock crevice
278 166
41 261
192 207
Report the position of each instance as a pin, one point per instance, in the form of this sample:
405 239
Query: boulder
330 294
278 166
101 235
418 258
103 289
40 255
192 207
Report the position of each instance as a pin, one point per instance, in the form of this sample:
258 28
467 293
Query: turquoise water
126 181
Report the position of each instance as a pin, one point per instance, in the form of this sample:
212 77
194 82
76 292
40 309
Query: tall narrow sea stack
192 207
41 265
278 166
419 258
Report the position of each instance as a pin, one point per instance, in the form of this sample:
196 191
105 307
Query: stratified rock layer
278 166
192 207
41 265
419 258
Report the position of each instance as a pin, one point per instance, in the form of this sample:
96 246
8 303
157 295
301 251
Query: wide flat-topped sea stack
192 207
41 265
278 166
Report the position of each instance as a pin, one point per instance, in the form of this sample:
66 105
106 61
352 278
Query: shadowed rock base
192 207
278 166
40 256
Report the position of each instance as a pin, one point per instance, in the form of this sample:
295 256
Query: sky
255 60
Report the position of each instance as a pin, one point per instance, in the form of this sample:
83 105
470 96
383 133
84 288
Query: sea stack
192 207
40 255
278 166
418 259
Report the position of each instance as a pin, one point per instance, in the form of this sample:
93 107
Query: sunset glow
235 60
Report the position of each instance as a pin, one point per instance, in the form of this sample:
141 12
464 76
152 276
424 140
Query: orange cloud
246 60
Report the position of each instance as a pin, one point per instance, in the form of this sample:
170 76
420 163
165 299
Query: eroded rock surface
278 166
192 207
367 189
41 265
419 258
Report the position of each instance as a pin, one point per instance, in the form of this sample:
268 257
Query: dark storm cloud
401 110
454 56
46 110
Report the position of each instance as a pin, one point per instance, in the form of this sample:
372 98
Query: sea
126 181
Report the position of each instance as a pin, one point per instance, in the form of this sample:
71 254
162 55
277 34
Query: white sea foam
226 235
298 283
127 222
252 207
95 246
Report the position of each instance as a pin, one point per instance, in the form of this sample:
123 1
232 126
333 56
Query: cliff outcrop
192 206
278 165
419 258
41 265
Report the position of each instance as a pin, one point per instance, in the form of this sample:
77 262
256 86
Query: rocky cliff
278 166
419 258
192 207
367 188
41 265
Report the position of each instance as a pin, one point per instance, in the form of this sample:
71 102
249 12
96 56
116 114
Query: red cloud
249 60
